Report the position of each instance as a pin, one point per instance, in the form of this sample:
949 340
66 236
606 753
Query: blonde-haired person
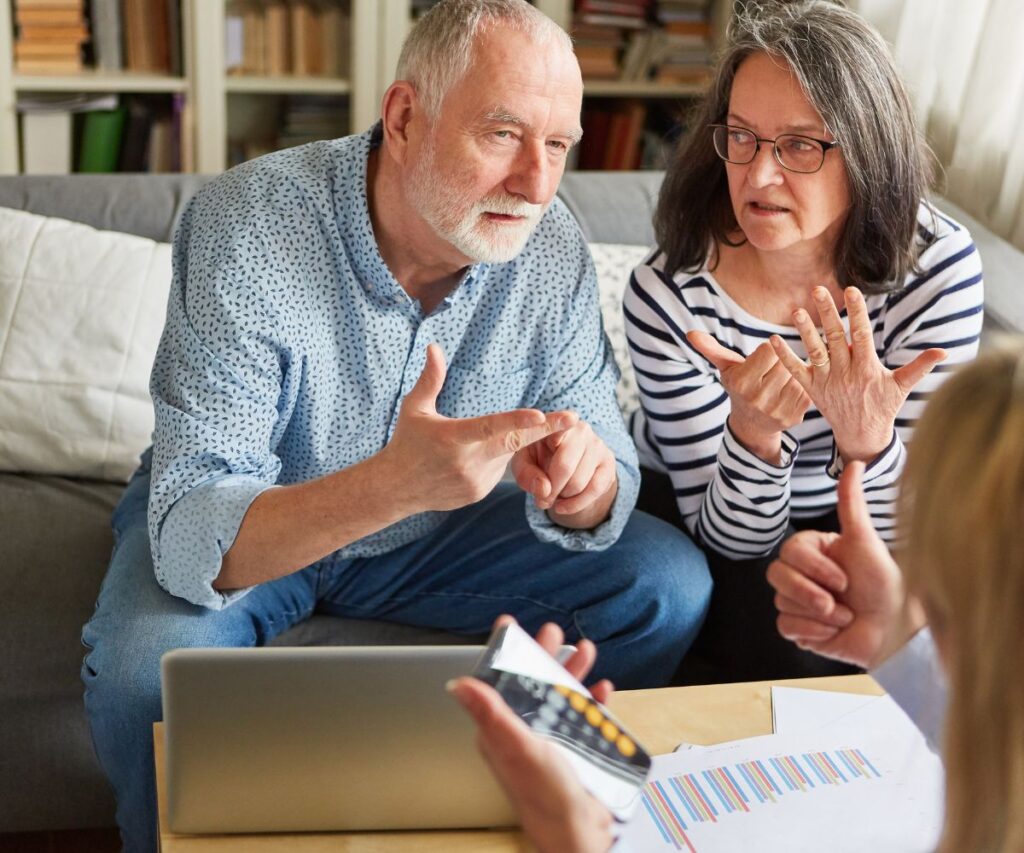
961 515
953 613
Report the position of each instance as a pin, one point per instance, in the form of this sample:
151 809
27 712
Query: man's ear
399 108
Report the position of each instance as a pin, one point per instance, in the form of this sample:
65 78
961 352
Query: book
49 65
76 33
138 123
101 140
106 34
56 50
253 40
46 142
49 16
278 56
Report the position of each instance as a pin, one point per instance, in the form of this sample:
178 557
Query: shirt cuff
916 682
197 532
597 538
883 463
736 452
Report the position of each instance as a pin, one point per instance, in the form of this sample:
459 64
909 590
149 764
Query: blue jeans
641 601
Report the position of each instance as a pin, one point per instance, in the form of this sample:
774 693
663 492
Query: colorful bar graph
680 802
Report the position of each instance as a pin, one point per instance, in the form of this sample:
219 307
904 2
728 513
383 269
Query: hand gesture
446 463
858 395
568 473
557 813
764 398
841 595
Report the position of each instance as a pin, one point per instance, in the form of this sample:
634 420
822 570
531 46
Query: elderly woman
962 573
792 317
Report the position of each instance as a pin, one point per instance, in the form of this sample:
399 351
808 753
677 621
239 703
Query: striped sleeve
942 306
730 500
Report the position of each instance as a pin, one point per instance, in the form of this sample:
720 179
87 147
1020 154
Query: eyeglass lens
797 153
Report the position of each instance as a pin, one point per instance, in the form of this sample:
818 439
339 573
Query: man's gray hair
848 75
439 50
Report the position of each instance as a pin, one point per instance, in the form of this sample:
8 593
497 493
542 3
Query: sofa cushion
614 263
53 554
81 312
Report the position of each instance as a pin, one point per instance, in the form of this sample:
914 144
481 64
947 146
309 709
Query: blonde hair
962 519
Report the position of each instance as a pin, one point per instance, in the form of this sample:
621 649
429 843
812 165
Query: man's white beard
450 211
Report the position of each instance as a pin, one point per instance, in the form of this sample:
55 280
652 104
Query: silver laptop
330 738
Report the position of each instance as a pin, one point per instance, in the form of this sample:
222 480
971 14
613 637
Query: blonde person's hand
571 474
556 811
842 595
765 400
857 394
446 463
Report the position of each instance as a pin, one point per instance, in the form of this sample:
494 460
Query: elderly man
362 335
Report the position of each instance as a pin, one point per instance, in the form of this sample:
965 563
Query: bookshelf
220 108
203 84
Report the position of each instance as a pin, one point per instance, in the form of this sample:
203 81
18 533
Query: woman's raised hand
857 394
765 399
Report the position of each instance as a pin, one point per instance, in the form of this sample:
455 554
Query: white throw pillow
81 312
614 263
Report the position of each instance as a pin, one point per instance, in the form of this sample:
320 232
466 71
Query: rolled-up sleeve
216 387
584 381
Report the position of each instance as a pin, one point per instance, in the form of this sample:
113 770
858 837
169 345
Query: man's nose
531 174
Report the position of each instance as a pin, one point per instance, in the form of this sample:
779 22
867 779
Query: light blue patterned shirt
289 347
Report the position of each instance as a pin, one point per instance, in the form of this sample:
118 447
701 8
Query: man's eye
558 145
503 134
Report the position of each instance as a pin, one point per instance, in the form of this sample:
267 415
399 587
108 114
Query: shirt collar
352 211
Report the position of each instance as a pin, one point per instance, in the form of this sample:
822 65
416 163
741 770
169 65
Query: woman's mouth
762 208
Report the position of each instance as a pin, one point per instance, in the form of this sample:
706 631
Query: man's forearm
289 527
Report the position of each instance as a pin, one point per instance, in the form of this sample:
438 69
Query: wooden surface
660 719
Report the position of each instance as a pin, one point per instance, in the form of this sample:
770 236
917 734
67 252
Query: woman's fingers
862 339
797 369
832 323
910 374
713 351
817 351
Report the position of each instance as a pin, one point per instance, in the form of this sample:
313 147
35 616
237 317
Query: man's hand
764 398
447 463
558 815
842 595
571 474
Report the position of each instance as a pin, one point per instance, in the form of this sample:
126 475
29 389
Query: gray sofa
56 539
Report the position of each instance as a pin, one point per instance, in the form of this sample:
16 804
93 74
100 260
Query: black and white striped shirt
731 500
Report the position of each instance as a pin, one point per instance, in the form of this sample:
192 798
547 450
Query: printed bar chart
677 803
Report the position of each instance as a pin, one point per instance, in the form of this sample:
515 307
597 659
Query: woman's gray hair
848 75
439 50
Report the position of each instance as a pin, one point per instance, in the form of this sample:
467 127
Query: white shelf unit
378 28
204 82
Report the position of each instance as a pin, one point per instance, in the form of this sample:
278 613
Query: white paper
520 653
795 709
892 803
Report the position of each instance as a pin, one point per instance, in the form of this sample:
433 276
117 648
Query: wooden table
661 719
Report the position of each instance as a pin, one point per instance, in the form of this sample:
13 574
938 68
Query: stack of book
50 36
612 136
684 52
600 29
306 38
291 120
